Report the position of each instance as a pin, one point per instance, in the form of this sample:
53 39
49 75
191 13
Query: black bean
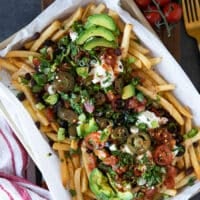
37 123
63 123
48 43
188 171
27 76
35 36
21 96
181 151
118 52
179 138
195 144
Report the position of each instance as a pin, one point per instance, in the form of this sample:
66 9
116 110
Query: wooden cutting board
172 43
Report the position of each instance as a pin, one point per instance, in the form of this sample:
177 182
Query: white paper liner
28 134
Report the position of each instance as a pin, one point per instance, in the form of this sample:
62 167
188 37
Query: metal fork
191 14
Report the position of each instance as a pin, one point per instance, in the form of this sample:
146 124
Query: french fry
53 136
71 174
155 61
192 140
87 11
168 106
90 194
180 163
99 9
42 118
197 151
5 64
135 45
187 158
22 54
30 110
45 129
125 40
184 181
67 23
29 44
179 177
77 181
63 167
159 80
114 15
84 181
75 157
146 62
194 161
166 87
170 192
54 126
61 146
24 65
48 32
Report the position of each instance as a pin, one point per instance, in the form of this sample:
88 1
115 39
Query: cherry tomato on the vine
152 15
143 3
162 2
172 12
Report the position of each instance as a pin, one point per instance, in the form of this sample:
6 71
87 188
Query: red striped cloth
14 162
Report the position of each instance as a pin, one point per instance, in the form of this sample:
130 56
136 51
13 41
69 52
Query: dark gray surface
16 14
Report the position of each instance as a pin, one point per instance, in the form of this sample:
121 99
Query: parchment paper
20 120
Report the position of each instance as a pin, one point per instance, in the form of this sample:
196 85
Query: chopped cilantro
153 175
72 192
124 158
191 181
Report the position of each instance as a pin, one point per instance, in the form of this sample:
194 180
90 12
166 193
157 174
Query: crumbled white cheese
149 118
126 149
113 147
51 90
134 130
105 75
73 35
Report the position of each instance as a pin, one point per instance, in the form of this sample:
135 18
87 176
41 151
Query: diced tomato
111 96
111 160
91 162
49 114
171 171
149 193
93 141
136 105
163 155
169 182
137 172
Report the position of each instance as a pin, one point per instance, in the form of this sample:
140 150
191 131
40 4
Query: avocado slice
99 42
95 31
82 71
101 20
86 128
128 91
99 185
